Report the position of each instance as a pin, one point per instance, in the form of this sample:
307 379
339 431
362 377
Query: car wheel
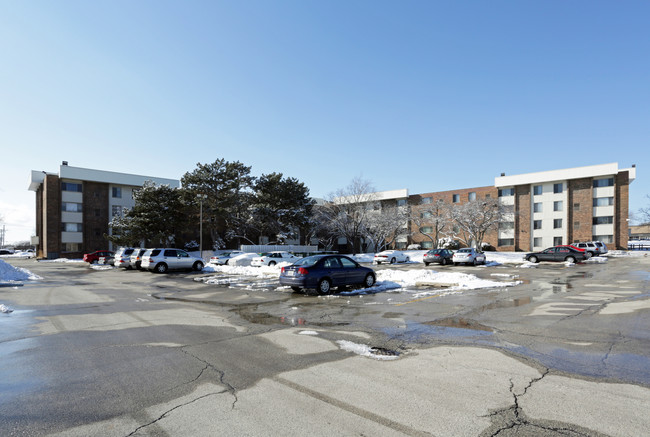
271 263
369 281
407 259
324 286
294 288
426 264
161 268
533 259
475 262
226 263
392 260
198 266
570 259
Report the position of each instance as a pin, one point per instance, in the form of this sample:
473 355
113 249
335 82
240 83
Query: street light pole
201 197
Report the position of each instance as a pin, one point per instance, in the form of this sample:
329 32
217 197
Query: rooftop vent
64 163
503 174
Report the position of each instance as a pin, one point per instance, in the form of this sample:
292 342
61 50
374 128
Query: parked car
439 256
6 252
322 272
390 256
136 258
273 258
588 246
92 258
558 254
223 258
468 255
123 257
162 260
602 246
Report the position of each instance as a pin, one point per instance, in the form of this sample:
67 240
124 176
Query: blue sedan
323 272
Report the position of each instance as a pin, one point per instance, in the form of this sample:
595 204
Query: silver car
162 260
468 255
123 257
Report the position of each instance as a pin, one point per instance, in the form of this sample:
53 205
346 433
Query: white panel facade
543 209
71 237
71 196
71 217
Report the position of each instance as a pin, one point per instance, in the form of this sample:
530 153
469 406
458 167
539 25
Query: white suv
273 258
162 260
123 257
595 248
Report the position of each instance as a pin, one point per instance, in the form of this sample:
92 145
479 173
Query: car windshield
308 261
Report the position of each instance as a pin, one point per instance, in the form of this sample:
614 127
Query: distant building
544 209
75 206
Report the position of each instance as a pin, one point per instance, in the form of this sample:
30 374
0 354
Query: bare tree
474 219
386 226
432 215
348 210
644 214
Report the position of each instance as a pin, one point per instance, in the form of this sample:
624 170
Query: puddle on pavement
510 303
458 322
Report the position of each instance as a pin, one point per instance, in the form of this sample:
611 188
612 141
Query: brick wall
95 216
52 217
580 213
522 219
621 211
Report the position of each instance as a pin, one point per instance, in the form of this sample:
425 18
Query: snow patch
10 274
363 350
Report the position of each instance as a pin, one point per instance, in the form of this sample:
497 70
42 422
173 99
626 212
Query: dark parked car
440 256
323 272
92 258
558 253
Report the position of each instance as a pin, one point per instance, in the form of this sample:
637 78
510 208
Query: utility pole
201 197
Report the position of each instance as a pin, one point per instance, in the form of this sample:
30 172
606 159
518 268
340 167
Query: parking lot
554 349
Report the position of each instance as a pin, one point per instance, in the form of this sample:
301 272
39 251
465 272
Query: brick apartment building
75 206
548 208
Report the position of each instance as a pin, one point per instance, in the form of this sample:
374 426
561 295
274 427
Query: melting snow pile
9 273
365 350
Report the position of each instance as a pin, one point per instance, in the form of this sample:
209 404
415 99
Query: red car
92 258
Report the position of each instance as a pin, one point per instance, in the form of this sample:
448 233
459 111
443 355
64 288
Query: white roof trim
558 175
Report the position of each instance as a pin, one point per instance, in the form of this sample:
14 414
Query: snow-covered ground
11 274
19 255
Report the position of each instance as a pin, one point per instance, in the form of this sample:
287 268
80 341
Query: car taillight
282 270
302 271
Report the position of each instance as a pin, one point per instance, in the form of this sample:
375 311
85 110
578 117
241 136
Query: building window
537 190
576 225
608 182
537 242
426 214
506 242
426 229
558 188
71 247
401 202
117 211
603 201
72 227
117 192
506 225
537 207
471 196
576 206
71 207
426 245
558 205
487 196
537 224
607 239
68 186
557 223
557 241
508 209
455 198
426 200
504 192
606 220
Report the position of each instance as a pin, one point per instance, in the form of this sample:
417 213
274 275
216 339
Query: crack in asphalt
222 374
162 416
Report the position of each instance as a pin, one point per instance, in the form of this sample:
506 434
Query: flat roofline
560 175
112 177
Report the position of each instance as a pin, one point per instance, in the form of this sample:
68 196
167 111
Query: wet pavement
122 329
